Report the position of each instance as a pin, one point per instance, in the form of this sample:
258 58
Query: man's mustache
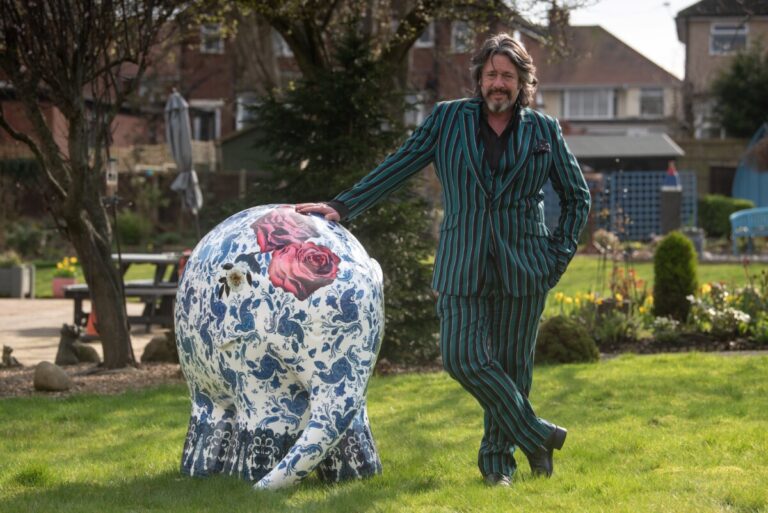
499 90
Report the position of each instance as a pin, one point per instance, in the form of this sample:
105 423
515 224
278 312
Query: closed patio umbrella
179 136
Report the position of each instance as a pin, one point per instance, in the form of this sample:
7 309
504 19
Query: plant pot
58 285
17 281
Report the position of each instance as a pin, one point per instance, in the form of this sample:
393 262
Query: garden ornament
279 318
9 360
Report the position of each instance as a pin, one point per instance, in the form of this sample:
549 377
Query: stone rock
161 349
51 378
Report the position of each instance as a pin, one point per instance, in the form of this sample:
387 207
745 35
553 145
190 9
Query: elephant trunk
330 416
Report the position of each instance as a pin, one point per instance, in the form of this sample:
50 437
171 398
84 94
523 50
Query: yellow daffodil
577 301
568 300
599 301
642 310
619 298
559 296
706 289
649 301
73 260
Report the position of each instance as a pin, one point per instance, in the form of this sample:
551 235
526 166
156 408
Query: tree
84 58
739 92
324 133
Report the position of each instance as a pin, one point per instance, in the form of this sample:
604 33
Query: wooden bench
748 223
158 302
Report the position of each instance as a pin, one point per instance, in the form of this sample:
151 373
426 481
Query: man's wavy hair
504 44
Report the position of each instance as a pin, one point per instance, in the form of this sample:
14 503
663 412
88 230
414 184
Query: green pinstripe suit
496 259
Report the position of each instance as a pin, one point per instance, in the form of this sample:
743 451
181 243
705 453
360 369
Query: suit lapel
470 141
524 142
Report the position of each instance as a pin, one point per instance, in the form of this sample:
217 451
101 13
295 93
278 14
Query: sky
648 26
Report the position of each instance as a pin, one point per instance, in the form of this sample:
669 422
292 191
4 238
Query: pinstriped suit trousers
487 343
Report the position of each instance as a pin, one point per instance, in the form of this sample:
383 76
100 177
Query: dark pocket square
542 147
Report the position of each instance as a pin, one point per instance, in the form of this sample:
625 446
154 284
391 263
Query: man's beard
497 106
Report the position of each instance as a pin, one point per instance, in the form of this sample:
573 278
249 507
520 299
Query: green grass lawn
44 276
662 433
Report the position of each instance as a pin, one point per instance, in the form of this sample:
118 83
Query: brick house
713 31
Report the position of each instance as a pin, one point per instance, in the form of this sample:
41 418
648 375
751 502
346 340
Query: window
427 38
279 46
205 118
727 38
652 102
588 104
211 39
415 111
461 37
245 115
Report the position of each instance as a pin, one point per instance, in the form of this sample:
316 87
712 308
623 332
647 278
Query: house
602 86
713 31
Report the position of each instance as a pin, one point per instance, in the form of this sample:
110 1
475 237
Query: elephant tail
330 416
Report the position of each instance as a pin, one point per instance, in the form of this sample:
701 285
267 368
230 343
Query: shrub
674 267
356 120
132 228
563 340
26 237
9 259
666 331
714 211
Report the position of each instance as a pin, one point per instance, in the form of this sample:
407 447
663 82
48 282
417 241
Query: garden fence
629 203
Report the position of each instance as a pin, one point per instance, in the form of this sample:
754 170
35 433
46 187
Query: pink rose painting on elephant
281 227
302 268
297 266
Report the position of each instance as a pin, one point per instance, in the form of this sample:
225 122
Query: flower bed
721 318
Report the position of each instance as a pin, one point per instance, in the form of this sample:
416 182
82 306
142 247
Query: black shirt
495 145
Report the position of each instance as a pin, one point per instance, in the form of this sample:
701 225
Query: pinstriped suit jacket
501 215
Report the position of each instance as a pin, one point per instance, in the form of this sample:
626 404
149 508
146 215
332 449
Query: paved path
31 327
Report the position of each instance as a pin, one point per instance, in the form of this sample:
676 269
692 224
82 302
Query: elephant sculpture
279 318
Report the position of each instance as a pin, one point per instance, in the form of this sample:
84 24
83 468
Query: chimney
558 23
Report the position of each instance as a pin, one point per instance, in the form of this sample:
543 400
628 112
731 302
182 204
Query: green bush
714 211
9 259
26 237
563 340
323 135
132 228
675 268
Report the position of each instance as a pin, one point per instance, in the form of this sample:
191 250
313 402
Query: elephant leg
355 457
331 414
209 436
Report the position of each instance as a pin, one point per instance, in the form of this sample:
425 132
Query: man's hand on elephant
318 208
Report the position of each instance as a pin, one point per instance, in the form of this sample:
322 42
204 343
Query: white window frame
429 40
651 92
280 46
211 38
243 114
570 97
211 106
461 37
417 111
731 30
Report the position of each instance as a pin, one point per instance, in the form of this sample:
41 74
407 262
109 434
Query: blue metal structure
751 183
634 196
748 223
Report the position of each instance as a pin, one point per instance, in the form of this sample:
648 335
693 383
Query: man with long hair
496 259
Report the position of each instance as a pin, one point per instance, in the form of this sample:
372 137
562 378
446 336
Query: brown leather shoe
497 480
541 460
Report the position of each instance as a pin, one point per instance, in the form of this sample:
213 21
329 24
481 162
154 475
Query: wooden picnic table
158 294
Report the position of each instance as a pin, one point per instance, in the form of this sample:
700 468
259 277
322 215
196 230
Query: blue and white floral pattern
279 318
